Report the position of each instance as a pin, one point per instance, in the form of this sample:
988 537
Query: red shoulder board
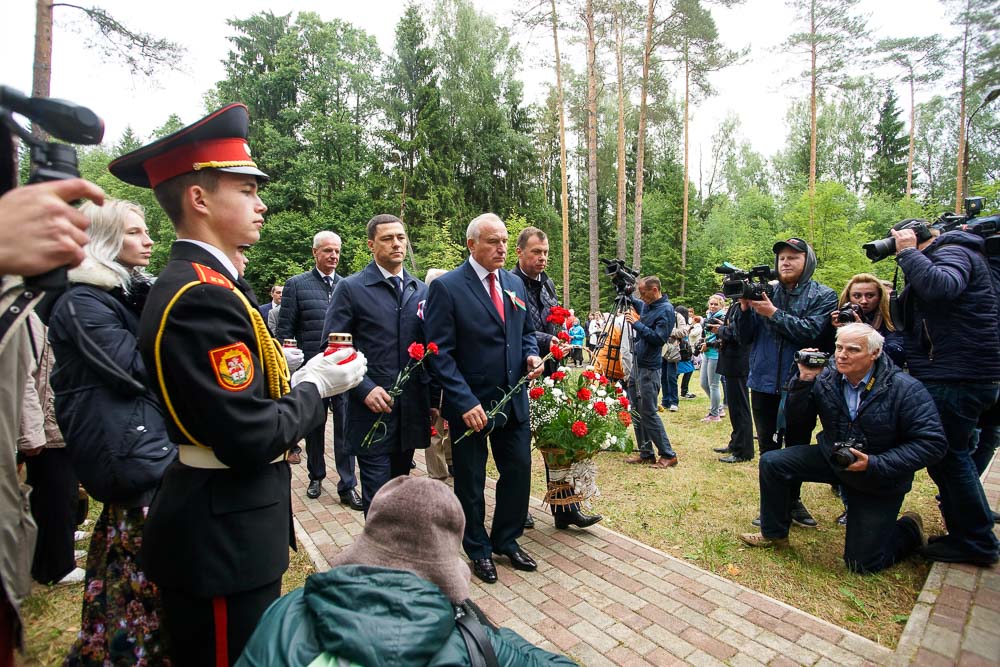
211 276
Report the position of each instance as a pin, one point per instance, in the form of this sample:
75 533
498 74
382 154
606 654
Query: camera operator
866 299
796 318
652 329
39 231
879 428
950 302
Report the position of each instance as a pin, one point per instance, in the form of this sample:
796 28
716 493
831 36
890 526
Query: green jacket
373 616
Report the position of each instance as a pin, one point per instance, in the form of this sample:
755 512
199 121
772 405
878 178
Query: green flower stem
395 390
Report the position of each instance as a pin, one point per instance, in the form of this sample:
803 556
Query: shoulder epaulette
211 276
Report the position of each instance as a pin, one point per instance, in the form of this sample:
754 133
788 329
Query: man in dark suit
477 314
217 535
382 307
304 304
275 301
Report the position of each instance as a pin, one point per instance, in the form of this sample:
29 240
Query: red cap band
208 154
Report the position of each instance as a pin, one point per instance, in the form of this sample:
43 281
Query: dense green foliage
439 129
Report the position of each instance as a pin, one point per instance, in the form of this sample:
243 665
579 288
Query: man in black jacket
532 257
734 365
304 303
879 427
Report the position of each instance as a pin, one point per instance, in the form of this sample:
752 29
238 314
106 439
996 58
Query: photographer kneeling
879 427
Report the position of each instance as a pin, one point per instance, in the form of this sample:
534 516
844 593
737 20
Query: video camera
622 276
988 227
739 284
50 160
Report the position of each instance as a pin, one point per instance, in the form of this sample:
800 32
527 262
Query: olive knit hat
414 524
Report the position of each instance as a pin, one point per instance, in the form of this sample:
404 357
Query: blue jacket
801 321
577 335
652 330
896 421
303 311
950 311
365 305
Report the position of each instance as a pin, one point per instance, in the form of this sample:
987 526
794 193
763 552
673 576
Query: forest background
439 129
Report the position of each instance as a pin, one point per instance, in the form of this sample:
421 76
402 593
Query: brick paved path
605 599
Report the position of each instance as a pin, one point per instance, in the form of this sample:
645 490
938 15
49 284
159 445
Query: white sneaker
673 408
80 535
75 577
79 553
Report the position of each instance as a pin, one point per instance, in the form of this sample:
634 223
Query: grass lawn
694 511
697 510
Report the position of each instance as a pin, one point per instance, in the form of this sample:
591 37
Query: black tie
397 282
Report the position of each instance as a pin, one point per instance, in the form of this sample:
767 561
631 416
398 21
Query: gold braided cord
272 359
198 166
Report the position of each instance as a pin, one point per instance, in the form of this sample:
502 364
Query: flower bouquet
572 419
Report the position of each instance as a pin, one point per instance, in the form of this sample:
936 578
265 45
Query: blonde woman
869 294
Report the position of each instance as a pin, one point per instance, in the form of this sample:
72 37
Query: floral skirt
120 622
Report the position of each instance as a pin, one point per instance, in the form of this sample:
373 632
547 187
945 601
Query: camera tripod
607 357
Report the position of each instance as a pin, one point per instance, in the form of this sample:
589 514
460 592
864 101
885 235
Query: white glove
293 357
329 378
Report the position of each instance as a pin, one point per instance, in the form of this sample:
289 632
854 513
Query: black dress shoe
722 450
801 516
352 500
945 551
564 520
520 560
732 458
485 570
529 521
315 487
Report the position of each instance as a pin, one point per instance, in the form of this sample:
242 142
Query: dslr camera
740 284
622 276
842 456
879 249
846 314
811 359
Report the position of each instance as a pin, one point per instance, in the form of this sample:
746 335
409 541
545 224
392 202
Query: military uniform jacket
366 306
218 531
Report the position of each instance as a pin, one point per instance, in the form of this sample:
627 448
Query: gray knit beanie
415 524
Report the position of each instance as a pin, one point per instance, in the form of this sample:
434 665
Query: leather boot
574 517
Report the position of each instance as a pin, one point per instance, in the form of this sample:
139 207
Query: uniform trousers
211 632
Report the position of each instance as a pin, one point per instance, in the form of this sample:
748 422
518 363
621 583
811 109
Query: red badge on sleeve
233 366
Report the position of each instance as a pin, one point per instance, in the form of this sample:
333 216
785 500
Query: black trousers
53 506
316 447
376 470
765 418
211 632
741 440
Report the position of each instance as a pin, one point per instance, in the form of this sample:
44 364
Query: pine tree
888 164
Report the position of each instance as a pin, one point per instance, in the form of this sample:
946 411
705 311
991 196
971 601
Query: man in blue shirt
879 427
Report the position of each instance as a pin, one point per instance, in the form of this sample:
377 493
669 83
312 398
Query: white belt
203 457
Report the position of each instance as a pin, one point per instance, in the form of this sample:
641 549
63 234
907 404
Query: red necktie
495 295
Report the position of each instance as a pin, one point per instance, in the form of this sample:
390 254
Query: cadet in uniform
217 535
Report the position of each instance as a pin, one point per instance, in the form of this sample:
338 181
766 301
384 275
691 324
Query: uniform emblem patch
233 366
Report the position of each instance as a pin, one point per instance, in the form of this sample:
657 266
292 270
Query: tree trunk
812 119
960 171
913 134
640 154
619 44
564 199
41 78
684 215
595 287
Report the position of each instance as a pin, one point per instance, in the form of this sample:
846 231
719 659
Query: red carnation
625 418
432 347
583 394
416 351
434 431
557 315
563 336
536 392
618 389
556 352
603 380
624 401
579 429
601 408
558 375
590 375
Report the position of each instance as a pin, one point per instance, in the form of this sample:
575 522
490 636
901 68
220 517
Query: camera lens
842 457
880 249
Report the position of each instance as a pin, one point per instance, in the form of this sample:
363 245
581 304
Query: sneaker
665 462
756 521
661 409
80 535
76 576
640 459
758 540
801 516
916 520
673 408
842 519
722 413
711 418
689 396
78 554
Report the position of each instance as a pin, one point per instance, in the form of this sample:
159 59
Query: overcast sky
755 91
